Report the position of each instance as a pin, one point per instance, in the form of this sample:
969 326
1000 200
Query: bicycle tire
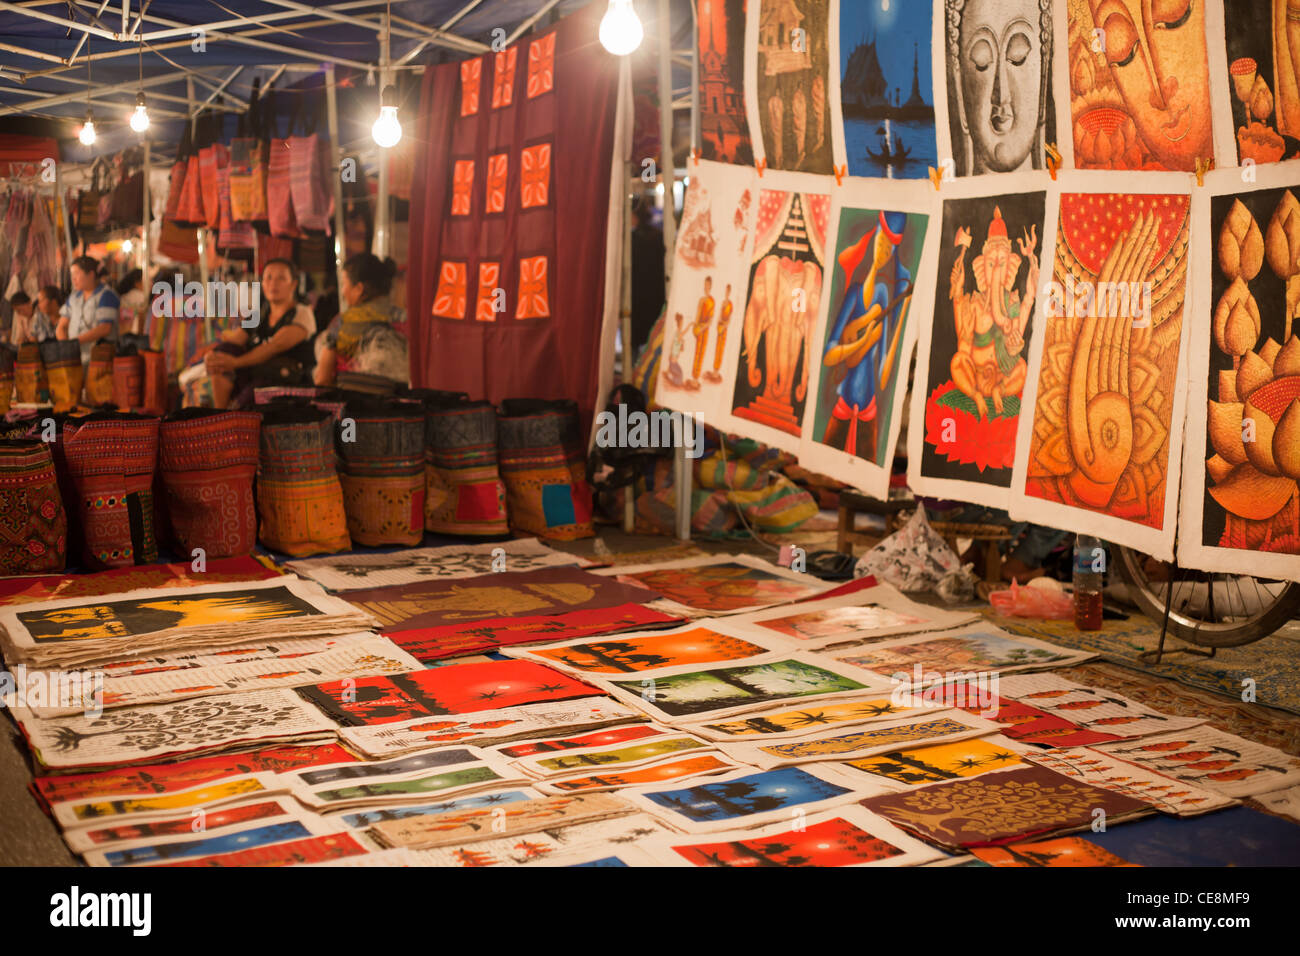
1150 597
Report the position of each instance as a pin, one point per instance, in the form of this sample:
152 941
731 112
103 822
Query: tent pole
332 113
145 248
667 157
380 245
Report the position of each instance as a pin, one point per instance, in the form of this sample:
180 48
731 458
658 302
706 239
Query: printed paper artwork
705 764
1001 807
1065 851
1091 709
724 125
848 744
886 97
845 837
866 615
723 690
799 721
349 572
972 359
1001 112
632 653
785 288
1263 57
722 585
1241 506
453 689
708 297
1139 84
930 763
744 798
1102 450
864 345
1209 758
792 84
1167 795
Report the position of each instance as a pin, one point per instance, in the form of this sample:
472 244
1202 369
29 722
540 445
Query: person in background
134 303
327 302
369 337
49 300
29 324
276 351
91 312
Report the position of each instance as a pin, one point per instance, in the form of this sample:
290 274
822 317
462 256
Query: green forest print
725 687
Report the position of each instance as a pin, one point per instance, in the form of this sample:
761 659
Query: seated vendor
367 339
30 321
275 351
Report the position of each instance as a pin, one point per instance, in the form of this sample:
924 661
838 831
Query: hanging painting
886 98
1241 506
1102 450
791 87
1139 84
863 348
1262 47
706 299
971 363
998 61
785 288
724 126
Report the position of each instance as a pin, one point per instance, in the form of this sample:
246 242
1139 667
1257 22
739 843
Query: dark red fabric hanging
511 192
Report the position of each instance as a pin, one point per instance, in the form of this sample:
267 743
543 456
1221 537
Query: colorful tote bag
208 460
99 374
31 387
310 169
381 469
299 499
464 492
543 465
231 234
111 458
128 379
212 159
279 194
64 371
248 162
34 527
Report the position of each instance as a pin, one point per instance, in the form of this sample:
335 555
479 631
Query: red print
503 80
541 66
470 73
489 278
462 186
534 300
498 168
449 302
535 175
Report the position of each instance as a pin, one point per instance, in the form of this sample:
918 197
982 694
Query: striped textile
111 458
382 471
543 466
465 494
208 460
299 498
64 371
33 526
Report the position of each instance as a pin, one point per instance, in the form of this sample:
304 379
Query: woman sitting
365 347
276 351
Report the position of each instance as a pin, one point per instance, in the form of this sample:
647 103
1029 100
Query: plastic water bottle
1089 568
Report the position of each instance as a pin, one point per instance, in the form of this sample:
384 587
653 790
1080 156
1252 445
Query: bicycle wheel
1209 610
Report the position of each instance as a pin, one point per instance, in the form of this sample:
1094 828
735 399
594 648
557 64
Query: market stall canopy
54 54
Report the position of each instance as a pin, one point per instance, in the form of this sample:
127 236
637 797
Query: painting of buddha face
998 57
1140 84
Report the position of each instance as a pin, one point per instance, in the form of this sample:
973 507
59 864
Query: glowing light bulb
620 28
127 246
387 130
140 118
87 134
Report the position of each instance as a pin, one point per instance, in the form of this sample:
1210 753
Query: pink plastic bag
1041 598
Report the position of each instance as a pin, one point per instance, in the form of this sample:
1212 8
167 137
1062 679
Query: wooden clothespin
840 173
1203 166
1053 159
761 166
695 155
936 176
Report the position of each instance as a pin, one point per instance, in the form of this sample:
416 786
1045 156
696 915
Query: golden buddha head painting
999 83
1140 84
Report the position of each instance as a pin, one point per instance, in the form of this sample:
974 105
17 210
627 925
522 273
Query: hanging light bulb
620 28
87 134
140 118
387 130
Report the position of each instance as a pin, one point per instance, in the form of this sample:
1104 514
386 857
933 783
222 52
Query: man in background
91 312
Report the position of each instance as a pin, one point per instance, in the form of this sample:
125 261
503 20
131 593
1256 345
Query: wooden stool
987 534
854 503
